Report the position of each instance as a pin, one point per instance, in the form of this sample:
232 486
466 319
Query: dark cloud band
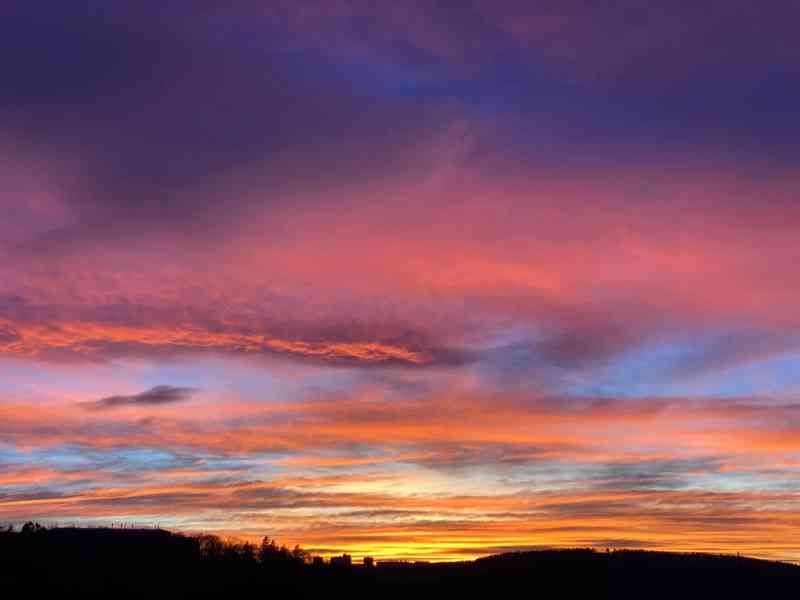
156 396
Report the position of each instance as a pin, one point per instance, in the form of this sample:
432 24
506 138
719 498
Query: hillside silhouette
154 563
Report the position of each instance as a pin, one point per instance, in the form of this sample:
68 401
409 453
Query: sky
423 280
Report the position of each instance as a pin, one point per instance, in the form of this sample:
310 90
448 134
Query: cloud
684 471
8 335
98 341
156 396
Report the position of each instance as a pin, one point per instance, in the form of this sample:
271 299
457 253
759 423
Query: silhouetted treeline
154 564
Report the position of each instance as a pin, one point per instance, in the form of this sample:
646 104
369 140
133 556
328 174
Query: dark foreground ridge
155 564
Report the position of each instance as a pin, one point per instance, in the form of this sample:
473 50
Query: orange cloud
96 340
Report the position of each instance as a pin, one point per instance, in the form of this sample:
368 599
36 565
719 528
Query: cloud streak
92 340
156 396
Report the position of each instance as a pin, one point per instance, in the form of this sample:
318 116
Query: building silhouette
345 560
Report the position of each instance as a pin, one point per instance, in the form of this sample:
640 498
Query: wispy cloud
156 396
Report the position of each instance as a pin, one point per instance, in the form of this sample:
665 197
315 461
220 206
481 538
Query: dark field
145 563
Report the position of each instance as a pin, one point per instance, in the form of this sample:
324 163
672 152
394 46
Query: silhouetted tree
30 528
298 553
268 551
210 546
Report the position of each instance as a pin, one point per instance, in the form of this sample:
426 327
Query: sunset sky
420 280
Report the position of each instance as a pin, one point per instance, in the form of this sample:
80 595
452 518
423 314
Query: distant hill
154 564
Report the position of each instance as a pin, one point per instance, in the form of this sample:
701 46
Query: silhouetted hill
153 563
